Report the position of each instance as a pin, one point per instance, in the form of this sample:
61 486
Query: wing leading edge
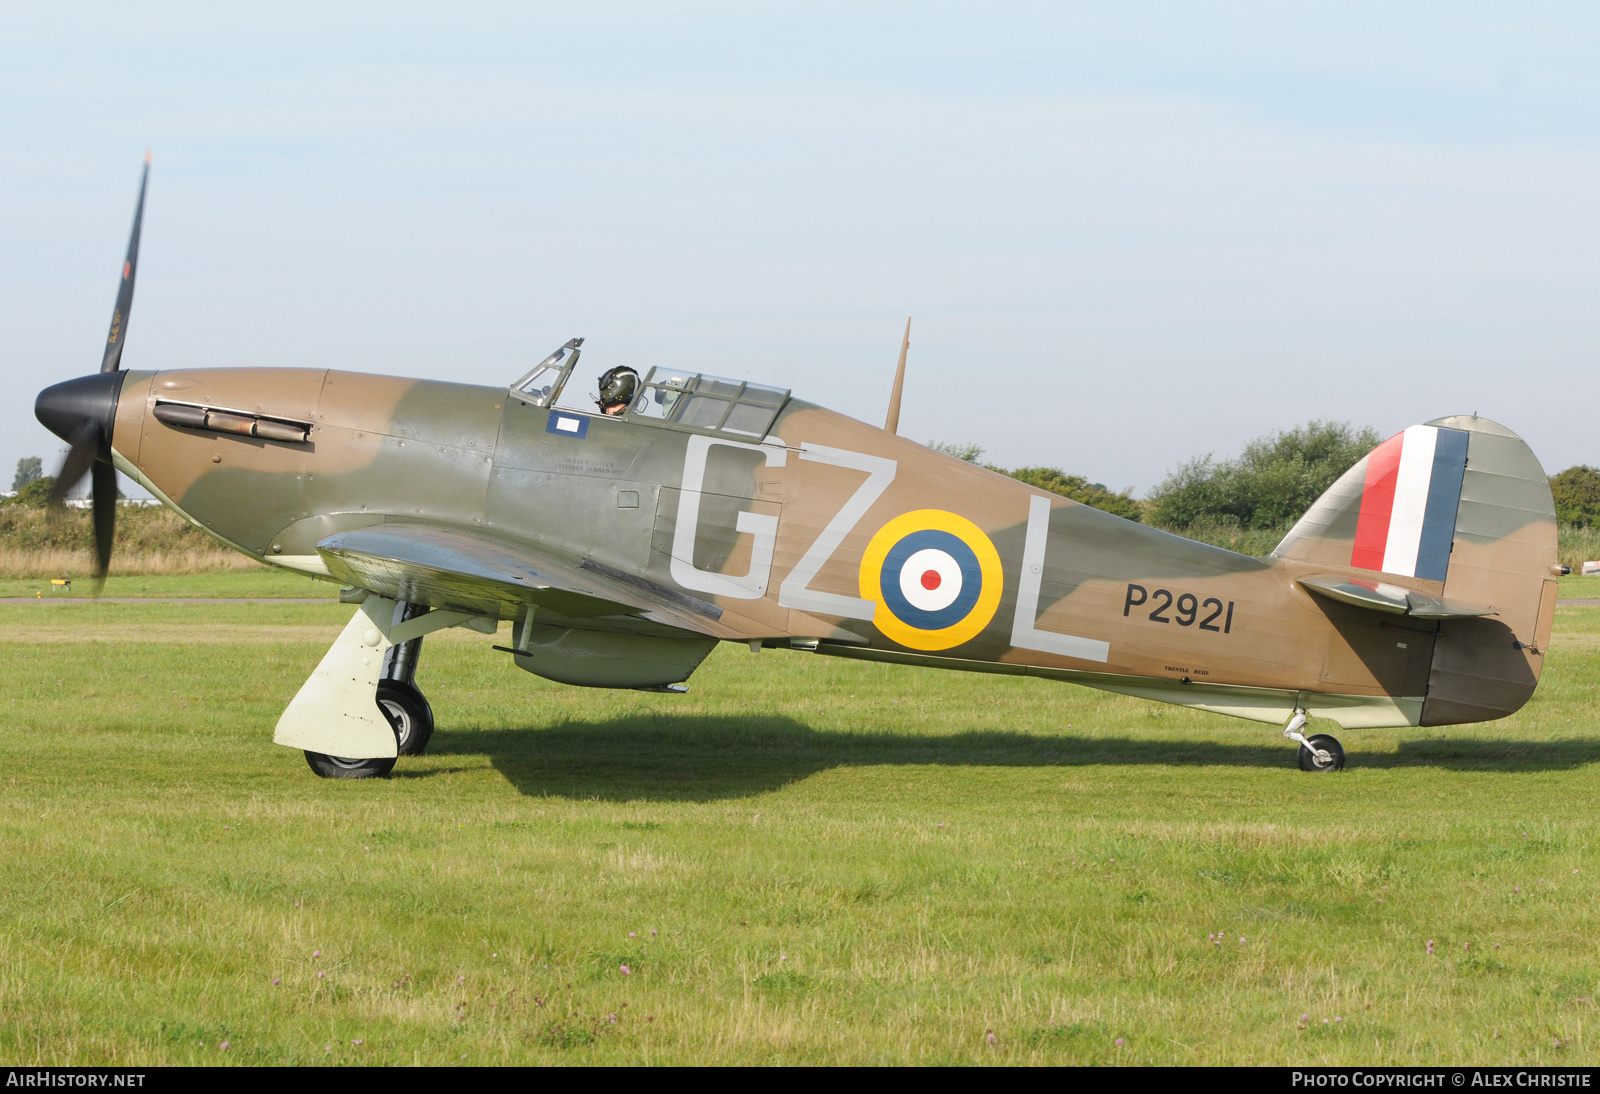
466 571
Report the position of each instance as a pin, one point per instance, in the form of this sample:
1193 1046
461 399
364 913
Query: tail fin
1459 509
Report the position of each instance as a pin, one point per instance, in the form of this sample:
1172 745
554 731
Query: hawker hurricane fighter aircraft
624 543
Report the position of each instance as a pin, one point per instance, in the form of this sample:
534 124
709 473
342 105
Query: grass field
803 860
260 582
1575 586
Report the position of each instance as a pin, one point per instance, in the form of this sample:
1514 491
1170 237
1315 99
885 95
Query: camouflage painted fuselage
809 536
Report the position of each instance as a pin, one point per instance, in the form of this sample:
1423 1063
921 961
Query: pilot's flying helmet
617 385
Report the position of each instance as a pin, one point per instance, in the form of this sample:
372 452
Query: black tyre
336 767
1335 751
409 713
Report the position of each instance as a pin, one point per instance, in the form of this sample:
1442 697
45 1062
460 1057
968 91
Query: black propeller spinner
83 411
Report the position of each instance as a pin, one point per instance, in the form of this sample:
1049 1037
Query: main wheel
409 713
1330 745
337 767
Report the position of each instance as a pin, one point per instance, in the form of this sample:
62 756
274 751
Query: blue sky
1128 235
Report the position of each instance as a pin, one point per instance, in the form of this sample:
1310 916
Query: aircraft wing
466 571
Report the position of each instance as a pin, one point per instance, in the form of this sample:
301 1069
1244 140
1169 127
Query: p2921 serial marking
1188 609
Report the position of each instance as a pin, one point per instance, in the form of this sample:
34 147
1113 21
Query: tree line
1263 490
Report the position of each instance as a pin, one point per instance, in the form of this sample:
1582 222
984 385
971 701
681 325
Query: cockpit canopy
542 384
669 397
707 404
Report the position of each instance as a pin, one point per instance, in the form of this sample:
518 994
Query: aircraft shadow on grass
706 758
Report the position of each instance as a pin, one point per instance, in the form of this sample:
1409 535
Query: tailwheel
337 767
1321 752
409 713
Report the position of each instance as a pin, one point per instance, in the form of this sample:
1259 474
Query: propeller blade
80 457
130 266
104 482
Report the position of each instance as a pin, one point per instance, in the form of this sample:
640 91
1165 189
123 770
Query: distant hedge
1079 488
1055 480
1577 495
1268 485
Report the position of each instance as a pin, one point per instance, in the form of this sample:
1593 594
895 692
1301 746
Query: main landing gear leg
401 701
333 718
1319 752
361 709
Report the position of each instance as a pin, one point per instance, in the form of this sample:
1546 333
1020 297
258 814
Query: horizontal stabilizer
1380 596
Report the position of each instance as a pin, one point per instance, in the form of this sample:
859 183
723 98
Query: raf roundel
935 577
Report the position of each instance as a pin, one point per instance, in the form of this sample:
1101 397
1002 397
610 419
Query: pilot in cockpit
618 386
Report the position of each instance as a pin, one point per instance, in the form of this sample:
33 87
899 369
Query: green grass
1575 587
803 860
263 583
